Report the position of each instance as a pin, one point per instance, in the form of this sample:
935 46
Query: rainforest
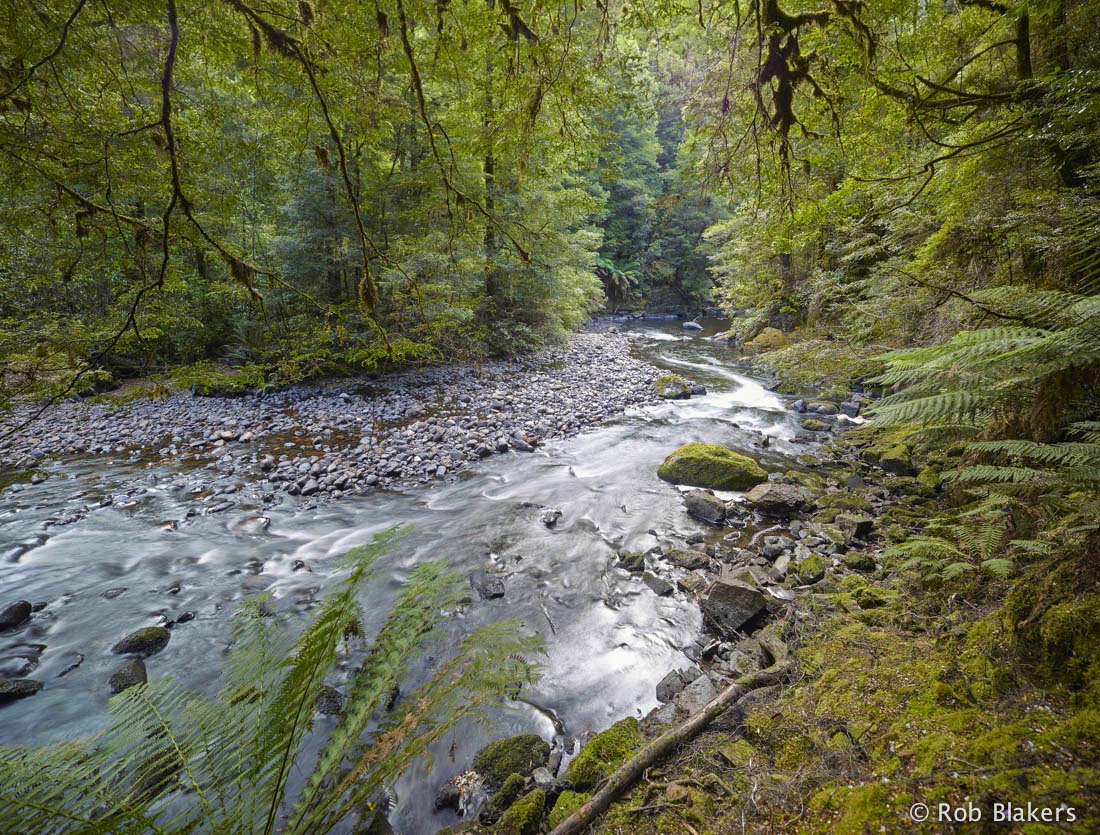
549 416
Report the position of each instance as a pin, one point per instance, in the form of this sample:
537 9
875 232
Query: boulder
127 674
705 506
691 326
767 340
731 604
713 466
660 587
689 558
672 387
519 754
143 642
776 499
15 614
897 460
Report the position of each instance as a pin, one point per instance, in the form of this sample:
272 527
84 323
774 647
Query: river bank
343 437
150 550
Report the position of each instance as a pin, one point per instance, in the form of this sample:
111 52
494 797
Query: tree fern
170 760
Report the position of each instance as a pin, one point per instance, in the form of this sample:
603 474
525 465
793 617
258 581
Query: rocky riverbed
346 436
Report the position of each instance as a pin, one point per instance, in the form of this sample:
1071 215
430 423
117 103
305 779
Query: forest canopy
299 189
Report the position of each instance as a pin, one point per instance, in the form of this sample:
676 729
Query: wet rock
705 506
632 561
143 642
693 584
672 387
778 500
520 444
551 517
691 326
688 558
18 688
15 614
127 674
185 617
75 659
676 680
850 408
330 701
448 796
731 606
488 586
822 408
658 585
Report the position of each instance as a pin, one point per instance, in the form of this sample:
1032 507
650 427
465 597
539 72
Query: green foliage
172 760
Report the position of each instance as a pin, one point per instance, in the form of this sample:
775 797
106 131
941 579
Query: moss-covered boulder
767 340
810 570
713 466
567 803
521 755
672 387
604 753
897 460
506 795
524 816
143 642
815 425
859 561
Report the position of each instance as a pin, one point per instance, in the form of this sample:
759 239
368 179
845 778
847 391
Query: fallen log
629 772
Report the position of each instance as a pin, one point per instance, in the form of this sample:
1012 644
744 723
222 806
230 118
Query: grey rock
850 408
550 518
691 326
705 506
776 499
854 526
487 586
659 586
330 701
127 674
730 605
15 614
696 695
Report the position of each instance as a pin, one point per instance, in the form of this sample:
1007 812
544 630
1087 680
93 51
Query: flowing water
609 638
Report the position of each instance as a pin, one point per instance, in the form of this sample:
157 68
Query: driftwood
629 772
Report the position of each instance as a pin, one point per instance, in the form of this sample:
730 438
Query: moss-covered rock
507 794
815 425
871 597
930 478
524 816
713 466
672 387
769 339
143 642
604 753
898 460
567 803
810 570
520 754
859 561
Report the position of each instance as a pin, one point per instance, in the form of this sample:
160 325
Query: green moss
897 459
567 803
672 387
930 478
814 425
524 816
807 460
520 754
859 561
713 466
206 379
872 597
506 796
15 477
844 501
810 570
769 339
604 753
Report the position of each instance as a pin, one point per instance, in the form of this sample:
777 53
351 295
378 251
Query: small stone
487 586
660 587
330 701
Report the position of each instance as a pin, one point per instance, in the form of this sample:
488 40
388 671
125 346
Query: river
609 638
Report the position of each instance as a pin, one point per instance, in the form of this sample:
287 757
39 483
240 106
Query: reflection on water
609 638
